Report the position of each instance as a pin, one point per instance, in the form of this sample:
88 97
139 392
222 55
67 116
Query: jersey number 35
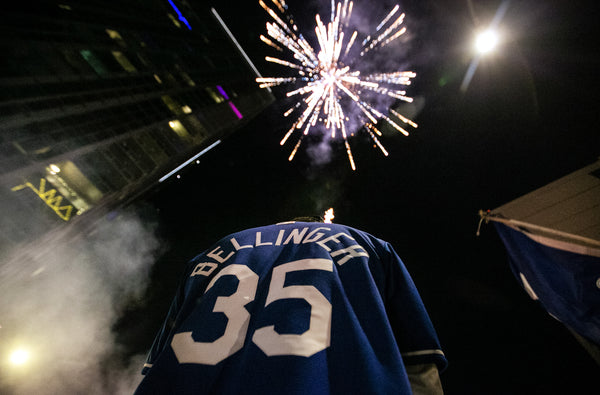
315 339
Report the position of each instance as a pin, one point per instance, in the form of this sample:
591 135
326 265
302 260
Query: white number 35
315 339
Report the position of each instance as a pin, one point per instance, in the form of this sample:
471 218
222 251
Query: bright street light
19 357
486 41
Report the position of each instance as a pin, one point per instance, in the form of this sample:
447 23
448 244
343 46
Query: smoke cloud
320 153
59 300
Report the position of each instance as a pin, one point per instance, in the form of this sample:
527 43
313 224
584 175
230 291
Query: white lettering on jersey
259 243
237 246
199 269
349 253
216 255
295 236
333 238
311 238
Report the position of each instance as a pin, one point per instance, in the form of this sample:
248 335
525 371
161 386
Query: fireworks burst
329 80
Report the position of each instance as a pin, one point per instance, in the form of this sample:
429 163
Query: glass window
169 142
135 152
124 62
152 148
93 61
186 77
179 129
174 20
101 172
172 104
214 95
75 61
116 36
124 164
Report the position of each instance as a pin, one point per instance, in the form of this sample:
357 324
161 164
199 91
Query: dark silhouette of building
101 100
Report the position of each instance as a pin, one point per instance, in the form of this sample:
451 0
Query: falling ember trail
328 81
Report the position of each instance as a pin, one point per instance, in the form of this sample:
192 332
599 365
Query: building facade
101 100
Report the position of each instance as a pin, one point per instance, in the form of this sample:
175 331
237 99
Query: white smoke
59 300
319 153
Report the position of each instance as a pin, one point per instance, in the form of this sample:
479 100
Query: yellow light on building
124 62
186 109
179 129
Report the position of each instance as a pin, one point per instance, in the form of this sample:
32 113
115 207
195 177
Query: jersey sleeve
171 320
412 327
160 341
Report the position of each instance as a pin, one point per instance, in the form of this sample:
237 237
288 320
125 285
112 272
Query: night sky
527 118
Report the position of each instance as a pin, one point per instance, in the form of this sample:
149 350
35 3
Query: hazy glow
332 93
486 41
19 357
60 300
54 169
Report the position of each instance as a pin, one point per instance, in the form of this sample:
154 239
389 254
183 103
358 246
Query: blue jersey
293 308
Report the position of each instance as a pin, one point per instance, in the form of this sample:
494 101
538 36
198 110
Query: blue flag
564 277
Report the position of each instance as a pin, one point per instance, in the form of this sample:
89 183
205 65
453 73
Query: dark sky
527 118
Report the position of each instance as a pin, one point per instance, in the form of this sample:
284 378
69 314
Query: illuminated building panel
99 102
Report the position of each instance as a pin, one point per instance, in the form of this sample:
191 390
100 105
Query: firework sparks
329 81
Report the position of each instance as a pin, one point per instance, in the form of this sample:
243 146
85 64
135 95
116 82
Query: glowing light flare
325 76
350 157
396 126
486 41
287 135
403 118
328 216
270 43
19 357
280 5
370 129
351 42
387 18
382 37
295 149
276 18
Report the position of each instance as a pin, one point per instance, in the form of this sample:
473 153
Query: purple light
235 110
222 92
